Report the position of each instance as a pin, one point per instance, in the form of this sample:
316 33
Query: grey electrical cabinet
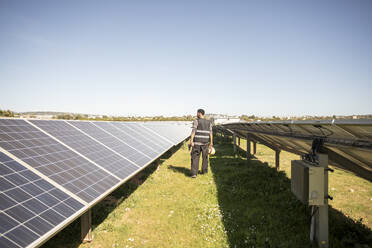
307 182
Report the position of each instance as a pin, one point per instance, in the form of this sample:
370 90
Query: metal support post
86 227
234 141
248 147
277 159
254 147
320 222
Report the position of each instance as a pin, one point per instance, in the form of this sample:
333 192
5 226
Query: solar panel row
348 143
51 171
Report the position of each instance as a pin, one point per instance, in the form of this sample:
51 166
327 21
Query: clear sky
172 57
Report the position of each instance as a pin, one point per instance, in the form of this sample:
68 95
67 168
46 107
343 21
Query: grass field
352 195
234 205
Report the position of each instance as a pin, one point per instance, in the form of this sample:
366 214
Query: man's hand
210 145
191 143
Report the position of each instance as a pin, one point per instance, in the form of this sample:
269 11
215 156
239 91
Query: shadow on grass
70 236
181 170
259 209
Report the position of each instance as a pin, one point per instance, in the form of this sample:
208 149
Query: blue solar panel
114 143
129 138
54 160
88 147
73 159
158 143
29 205
175 132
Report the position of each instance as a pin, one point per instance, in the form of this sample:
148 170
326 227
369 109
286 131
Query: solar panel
129 138
174 132
54 160
30 207
145 136
114 143
52 171
88 147
347 142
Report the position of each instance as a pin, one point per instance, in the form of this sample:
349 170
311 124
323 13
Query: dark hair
201 111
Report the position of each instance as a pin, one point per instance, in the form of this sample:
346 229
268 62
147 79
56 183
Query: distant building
30 116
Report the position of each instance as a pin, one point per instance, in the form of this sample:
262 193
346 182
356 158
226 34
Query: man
201 140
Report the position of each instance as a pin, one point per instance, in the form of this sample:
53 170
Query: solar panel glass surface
145 135
29 205
128 138
112 142
173 132
54 160
88 147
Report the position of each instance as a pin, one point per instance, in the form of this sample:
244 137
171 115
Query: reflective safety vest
202 131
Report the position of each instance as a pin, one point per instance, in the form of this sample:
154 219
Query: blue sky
172 57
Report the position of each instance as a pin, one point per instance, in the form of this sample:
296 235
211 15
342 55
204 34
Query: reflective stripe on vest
201 136
202 131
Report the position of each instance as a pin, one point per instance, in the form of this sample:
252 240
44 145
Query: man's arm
192 138
211 143
211 136
194 127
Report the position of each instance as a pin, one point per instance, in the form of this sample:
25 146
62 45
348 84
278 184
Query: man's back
202 129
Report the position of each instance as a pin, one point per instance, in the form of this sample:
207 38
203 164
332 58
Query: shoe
193 176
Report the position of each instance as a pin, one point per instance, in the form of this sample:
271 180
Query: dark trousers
195 156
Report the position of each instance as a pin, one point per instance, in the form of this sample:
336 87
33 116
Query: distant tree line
6 113
255 118
122 118
252 117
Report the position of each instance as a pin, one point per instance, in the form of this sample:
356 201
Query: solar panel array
52 171
348 143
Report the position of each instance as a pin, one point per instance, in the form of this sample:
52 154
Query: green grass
352 195
235 205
